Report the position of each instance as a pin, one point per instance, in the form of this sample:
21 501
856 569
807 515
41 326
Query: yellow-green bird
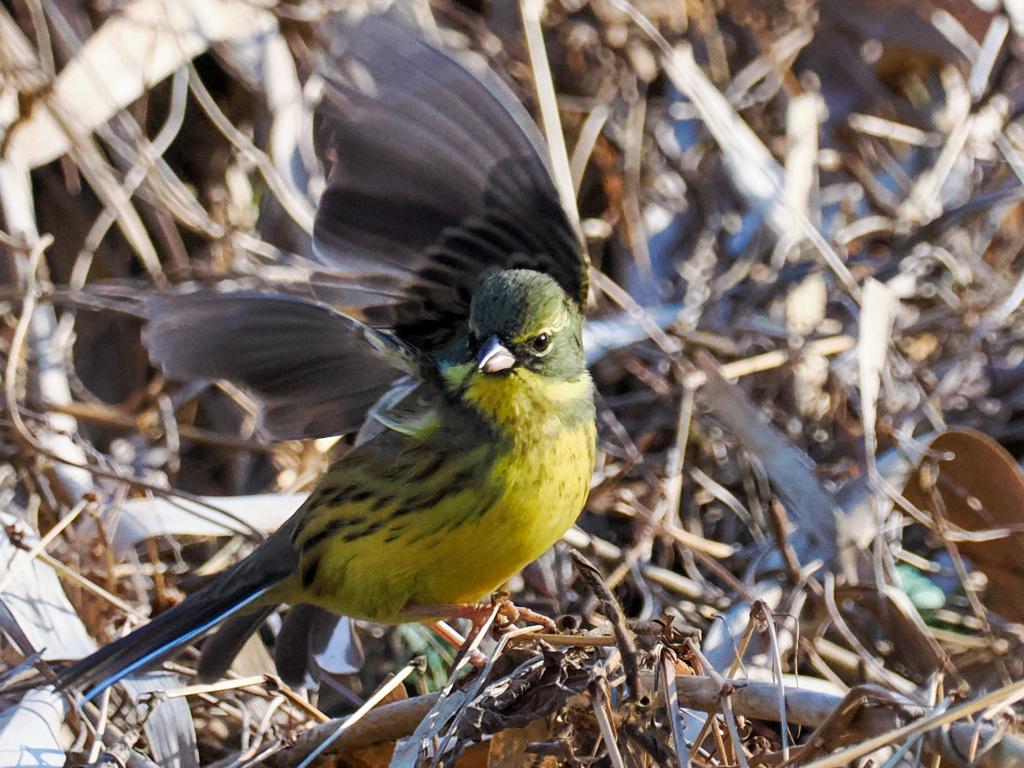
441 235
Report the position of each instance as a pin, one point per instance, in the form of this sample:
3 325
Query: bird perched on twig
462 283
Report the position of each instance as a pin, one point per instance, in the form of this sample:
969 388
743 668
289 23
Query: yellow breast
545 480
524 494
528 406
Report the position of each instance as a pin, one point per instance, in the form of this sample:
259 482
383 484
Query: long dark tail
235 590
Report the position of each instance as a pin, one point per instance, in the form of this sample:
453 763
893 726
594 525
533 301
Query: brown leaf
980 488
508 748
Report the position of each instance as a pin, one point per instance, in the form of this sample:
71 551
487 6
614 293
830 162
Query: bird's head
522 319
523 362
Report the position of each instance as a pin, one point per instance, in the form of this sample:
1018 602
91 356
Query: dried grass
805 226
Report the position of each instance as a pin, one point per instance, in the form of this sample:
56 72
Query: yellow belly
545 491
475 536
459 552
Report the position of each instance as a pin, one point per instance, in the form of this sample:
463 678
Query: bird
443 324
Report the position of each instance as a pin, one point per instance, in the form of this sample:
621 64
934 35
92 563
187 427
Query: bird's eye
541 343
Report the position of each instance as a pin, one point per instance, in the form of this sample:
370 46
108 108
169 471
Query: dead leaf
981 488
508 748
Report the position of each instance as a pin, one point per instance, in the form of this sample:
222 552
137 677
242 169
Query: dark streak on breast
309 572
329 530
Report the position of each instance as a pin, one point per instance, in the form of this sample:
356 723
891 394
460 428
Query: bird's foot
506 613
509 614
500 614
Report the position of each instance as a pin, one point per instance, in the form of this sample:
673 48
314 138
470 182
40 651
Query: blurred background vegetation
805 225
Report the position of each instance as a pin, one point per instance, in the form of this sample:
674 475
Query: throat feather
523 404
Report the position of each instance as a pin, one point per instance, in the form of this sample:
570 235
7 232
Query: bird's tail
239 589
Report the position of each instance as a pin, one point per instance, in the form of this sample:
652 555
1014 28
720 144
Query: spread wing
440 176
315 370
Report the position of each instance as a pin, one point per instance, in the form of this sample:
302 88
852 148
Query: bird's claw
509 614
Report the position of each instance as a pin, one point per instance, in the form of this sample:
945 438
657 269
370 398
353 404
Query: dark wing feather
315 371
432 159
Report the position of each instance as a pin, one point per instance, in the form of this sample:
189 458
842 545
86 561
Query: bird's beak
494 357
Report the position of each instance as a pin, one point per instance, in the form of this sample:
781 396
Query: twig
613 612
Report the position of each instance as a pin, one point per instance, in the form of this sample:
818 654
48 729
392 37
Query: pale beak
493 357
